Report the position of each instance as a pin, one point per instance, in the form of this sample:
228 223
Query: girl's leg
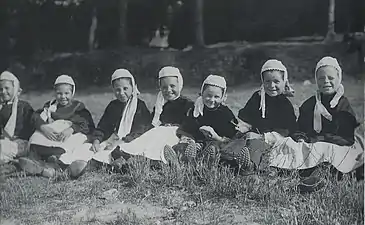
44 152
38 167
307 172
119 153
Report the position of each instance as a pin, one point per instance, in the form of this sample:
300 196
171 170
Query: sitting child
124 119
61 127
15 121
210 125
327 116
171 107
269 109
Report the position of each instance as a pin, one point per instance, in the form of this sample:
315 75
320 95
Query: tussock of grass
276 198
339 202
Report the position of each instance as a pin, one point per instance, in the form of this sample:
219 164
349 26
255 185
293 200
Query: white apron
288 154
149 145
71 145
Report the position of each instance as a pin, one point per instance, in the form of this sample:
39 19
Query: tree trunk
92 31
122 30
199 26
331 21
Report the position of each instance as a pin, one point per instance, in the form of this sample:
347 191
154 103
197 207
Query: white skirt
85 153
82 152
10 149
288 154
149 145
74 145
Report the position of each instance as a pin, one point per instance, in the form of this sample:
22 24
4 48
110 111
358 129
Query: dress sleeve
346 124
82 121
189 127
228 127
37 121
105 126
288 120
28 124
247 113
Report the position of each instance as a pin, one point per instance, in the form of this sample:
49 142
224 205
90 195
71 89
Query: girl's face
63 94
274 84
212 96
169 87
6 90
122 89
327 80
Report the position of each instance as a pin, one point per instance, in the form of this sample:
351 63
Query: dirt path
100 211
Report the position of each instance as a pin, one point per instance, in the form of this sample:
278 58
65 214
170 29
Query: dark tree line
27 26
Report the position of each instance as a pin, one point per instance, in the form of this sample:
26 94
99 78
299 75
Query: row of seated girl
63 132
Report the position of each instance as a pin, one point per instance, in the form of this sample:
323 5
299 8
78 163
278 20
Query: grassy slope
182 195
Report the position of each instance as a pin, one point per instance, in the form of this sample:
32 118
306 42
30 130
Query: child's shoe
49 172
77 168
190 151
119 165
210 152
170 155
310 184
243 159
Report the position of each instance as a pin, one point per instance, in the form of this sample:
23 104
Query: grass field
186 195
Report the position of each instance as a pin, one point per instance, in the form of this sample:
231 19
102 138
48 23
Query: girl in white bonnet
327 116
124 119
211 124
62 125
269 109
15 120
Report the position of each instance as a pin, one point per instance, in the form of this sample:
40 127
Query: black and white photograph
182 112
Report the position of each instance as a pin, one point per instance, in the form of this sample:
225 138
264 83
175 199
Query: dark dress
175 112
109 122
280 116
24 127
221 119
76 112
339 131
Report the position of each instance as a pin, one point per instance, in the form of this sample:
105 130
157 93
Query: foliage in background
239 63
63 25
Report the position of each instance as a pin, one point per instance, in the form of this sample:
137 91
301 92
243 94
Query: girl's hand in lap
252 135
65 134
210 133
242 126
96 146
49 133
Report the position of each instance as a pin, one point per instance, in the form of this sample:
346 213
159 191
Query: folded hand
49 133
64 135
